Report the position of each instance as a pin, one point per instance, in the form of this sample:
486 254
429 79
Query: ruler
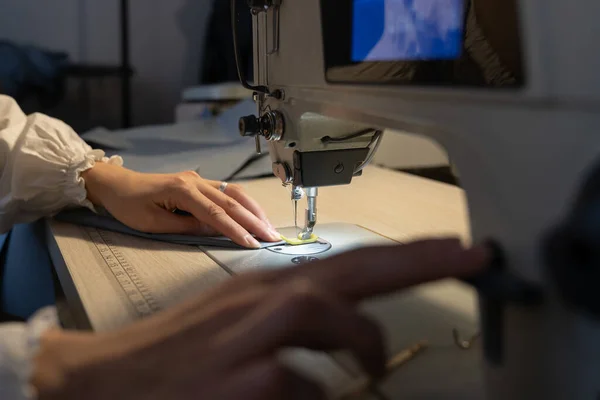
126 275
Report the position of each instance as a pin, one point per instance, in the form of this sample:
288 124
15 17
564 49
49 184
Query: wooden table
395 205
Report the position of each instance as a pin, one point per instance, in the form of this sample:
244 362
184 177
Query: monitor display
407 30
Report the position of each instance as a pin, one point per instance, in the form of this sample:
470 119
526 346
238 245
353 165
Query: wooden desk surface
395 205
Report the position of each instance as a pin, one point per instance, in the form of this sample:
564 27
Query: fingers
237 193
364 273
239 212
378 271
207 211
269 379
223 213
300 314
217 309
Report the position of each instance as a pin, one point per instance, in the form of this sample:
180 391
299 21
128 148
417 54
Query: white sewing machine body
523 146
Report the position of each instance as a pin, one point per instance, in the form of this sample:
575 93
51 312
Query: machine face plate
335 239
318 247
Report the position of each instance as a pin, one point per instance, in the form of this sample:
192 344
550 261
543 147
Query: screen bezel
337 31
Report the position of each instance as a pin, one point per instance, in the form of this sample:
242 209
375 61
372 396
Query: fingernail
274 234
269 224
251 242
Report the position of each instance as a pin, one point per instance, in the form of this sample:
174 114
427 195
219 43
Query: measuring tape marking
137 292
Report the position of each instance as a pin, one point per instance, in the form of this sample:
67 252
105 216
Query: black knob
249 126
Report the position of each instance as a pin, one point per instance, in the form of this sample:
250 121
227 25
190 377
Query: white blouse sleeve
41 161
19 343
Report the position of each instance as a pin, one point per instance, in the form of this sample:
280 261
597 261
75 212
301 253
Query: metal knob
272 124
282 171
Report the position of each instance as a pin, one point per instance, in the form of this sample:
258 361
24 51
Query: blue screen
407 30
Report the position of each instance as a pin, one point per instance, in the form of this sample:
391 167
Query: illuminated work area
279 199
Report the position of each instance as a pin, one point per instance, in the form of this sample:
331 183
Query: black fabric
219 59
4 316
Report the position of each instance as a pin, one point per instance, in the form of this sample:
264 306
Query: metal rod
125 66
257 143
400 359
297 194
311 213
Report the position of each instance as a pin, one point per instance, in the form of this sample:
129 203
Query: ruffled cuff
75 184
41 161
19 344
47 167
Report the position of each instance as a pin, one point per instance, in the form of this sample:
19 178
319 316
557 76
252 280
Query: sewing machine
510 88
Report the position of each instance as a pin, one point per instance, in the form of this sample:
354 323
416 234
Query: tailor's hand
145 202
223 345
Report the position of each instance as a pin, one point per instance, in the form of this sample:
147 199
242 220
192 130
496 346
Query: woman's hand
224 344
145 202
